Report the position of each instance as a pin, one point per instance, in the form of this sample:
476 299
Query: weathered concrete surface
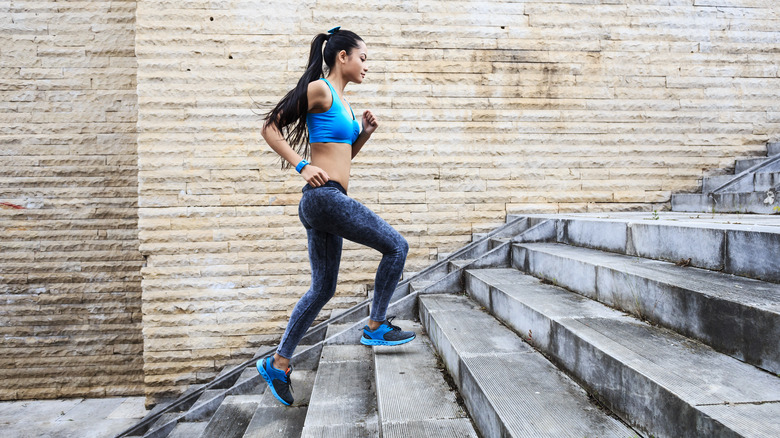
735 315
188 430
653 378
752 189
710 241
766 201
710 183
509 389
448 428
767 180
745 172
206 405
91 418
272 419
343 398
411 391
232 417
276 421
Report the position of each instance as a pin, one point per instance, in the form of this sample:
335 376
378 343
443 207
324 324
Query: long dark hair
289 115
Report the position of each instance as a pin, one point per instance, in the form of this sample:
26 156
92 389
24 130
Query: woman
317 105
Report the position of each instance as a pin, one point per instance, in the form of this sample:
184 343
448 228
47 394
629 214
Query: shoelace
289 380
392 327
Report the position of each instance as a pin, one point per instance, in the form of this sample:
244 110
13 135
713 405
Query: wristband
301 165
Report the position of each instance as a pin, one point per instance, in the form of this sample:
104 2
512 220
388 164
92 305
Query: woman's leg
348 218
324 256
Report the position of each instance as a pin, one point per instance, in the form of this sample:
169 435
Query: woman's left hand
369 122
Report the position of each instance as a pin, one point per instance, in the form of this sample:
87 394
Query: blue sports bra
334 125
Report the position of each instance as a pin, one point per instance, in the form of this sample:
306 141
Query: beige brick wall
69 263
486 108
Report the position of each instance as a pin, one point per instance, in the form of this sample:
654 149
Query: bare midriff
335 159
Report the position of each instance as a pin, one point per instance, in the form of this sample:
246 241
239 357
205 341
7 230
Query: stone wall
69 263
486 108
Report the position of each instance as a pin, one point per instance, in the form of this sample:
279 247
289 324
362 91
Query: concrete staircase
616 325
754 188
355 391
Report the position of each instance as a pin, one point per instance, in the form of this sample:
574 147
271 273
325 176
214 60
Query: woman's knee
319 294
401 246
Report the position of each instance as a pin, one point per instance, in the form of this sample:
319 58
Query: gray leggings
329 216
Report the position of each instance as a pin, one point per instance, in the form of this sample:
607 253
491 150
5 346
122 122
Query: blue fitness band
301 165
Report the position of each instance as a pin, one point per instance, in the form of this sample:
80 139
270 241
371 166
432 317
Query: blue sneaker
278 381
386 334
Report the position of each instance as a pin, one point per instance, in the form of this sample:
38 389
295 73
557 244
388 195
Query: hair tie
325 68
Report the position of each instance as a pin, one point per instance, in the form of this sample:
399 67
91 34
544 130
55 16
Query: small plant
683 262
655 215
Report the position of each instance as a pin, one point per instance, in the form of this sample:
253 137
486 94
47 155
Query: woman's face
356 66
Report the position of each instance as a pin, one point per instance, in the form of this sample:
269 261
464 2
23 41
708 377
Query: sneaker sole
267 378
373 342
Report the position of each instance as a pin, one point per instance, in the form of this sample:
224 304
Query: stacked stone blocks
69 262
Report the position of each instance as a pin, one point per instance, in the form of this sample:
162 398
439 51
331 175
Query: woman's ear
343 56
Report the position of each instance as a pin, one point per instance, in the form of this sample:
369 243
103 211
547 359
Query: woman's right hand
314 175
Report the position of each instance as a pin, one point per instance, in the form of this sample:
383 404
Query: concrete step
478 236
710 183
727 247
227 377
342 402
459 264
277 421
773 149
743 165
760 181
163 426
188 430
495 242
272 419
207 404
743 180
334 329
655 379
744 203
421 285
694 203
232 417
413 398
249 382
766 181
191 392
508 388
734 315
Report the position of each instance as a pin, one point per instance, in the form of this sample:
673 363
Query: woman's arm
369 126
313 175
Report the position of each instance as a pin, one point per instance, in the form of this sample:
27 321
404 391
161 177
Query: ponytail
289 115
